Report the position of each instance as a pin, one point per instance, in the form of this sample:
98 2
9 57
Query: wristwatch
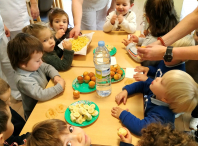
168 56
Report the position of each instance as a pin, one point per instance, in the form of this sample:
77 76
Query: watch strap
169 50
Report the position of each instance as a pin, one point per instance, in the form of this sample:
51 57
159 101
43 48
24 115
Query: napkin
113 61
130 72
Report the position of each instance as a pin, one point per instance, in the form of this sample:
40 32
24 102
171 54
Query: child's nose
79 137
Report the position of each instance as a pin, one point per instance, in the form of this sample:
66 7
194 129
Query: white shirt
90 5
1 28
14 14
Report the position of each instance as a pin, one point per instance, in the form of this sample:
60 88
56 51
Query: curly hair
157 134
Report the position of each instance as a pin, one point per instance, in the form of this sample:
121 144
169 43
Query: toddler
25 53
161 17
121 19
52 54
174 92
7 128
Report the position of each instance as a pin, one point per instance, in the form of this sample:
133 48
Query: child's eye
45 41
69 144
51 37
71 129
64 21
56 21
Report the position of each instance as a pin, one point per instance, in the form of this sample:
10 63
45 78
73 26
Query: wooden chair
29 12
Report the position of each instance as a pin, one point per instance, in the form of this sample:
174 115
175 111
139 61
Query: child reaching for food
161 17
52 55
174 92
121 19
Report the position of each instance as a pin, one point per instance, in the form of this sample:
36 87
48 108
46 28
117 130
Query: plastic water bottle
102 61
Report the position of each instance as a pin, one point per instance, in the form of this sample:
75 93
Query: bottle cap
101 43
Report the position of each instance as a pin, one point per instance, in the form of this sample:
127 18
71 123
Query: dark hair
47 133
3 86
3 116
21 48
34 29
131 1
157 134
162 16
55 12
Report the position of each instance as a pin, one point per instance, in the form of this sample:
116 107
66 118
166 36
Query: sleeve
129 24
17 140
134 124
49 70
57 63
32 89
152 70
108 26
58 50
139 87
125 144
140 41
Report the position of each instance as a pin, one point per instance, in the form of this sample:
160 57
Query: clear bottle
102 61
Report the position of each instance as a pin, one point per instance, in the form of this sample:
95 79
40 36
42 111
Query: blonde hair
184 42
181 91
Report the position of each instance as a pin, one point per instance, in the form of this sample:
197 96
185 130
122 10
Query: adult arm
77 14
34 9
7 31
112 7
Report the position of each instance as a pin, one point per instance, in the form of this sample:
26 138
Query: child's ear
131 5
23 66
1 139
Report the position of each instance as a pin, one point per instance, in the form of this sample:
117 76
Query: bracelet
161 40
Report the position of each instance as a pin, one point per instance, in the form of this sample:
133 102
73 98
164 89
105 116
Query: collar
174 65
24 72
158 102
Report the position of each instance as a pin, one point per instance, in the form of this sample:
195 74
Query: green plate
85 123
83 88
112 52
122 77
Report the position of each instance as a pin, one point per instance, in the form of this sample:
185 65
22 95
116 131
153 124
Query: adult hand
127 138
7 31
120 18
113 19
75 32
121 97
34 10
152 52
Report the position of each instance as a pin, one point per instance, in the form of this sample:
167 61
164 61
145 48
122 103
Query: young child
162 18
7 128
161 68
174 92
121 19
56 132
156 134
52 55
25 53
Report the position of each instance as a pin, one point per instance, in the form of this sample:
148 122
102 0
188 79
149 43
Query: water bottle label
100 74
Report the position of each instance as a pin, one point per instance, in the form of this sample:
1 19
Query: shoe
177 115
193 123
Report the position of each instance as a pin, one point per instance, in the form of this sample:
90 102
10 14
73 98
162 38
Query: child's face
10 127
60 22
75 137
6 96
158 89
123 6
47 40
34 63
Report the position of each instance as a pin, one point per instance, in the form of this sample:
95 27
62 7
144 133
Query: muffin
85 74
87 79
92 84
80 79
76 94
93 78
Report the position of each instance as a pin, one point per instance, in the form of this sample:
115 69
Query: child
56 132
161 68
52 55
17 120
121 19
7 128
25 53
162 18
174 92
6 67
156 134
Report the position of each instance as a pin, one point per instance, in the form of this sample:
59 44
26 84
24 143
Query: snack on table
76 94
60 108
109 47
79 43
115 72
51 113
122 131
82 112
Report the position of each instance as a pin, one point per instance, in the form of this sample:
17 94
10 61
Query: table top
114 38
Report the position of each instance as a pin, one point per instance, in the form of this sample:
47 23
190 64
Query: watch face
168 58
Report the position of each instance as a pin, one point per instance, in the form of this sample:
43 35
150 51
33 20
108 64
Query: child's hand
142 36
140 77
59 33
58 79
142 69
120 18
113 19
126 42
121 97
67 45
134 38
116 111
127 138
